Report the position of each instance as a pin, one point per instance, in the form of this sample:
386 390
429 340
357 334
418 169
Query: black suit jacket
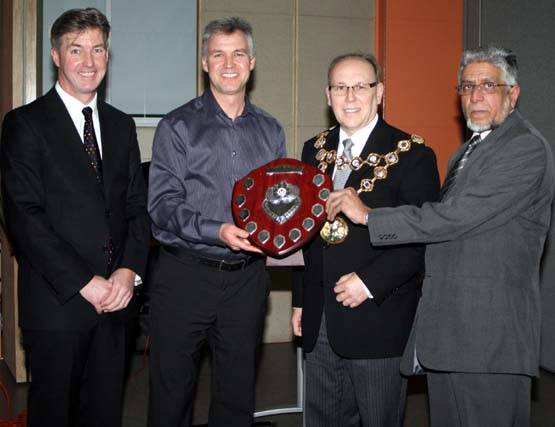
58 216
378 328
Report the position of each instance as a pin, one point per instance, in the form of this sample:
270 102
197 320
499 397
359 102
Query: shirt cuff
211 232
367 291
138 280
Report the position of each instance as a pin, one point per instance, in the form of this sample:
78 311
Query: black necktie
90 143
457 167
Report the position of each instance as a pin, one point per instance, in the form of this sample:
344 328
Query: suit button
107 213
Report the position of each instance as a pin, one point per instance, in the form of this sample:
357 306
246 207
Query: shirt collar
214 108
73 105
482 134
359 138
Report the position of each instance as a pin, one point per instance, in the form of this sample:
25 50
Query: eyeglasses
359 88
484 87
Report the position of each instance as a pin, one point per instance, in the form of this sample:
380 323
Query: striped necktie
341 175
457 167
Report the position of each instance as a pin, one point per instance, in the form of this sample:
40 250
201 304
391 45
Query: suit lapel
332 143
63 135
60 123
108 145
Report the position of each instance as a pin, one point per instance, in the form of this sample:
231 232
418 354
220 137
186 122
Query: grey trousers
343 392
478 400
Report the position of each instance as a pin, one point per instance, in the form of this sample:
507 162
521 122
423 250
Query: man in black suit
354 303
75 208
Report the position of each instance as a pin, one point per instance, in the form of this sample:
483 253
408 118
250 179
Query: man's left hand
350 290
123 282
348 202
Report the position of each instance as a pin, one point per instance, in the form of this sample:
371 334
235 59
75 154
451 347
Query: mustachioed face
484 111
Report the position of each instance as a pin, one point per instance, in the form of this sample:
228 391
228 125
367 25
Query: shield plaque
281 205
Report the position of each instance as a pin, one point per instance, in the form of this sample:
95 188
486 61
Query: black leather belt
218 264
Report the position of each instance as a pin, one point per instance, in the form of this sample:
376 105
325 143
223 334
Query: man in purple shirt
210 282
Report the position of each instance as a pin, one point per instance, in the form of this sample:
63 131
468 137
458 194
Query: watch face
281 204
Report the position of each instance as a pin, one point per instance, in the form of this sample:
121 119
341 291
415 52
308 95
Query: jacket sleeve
397 265
136 245
32 235
496 193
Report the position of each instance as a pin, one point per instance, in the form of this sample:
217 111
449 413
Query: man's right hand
236 238
96 291
296 321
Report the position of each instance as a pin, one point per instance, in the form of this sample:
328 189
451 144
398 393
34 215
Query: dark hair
76 21
227 25
371 59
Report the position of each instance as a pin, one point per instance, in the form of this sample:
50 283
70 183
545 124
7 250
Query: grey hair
499 57
227 25
371 59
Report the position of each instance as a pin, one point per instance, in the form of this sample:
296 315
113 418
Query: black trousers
191 303
77 376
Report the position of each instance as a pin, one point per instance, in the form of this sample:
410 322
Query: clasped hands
112 294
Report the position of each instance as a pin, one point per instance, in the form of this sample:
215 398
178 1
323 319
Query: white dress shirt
359 139
75 110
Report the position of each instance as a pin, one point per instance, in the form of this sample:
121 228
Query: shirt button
234 153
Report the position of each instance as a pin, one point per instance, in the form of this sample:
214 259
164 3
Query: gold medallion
335 232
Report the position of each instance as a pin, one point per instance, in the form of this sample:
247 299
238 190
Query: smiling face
484 111
354 111
228 63
82 59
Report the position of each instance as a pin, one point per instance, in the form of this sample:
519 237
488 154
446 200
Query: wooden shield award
281 205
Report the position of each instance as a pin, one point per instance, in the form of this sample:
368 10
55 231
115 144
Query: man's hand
96 292
123 281
348 202
296 321
236 238
350 290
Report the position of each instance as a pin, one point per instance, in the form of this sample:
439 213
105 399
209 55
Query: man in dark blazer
477 327
75 207
354 304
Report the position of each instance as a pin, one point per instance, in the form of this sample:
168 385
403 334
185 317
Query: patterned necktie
457 167
90 143
91 147
341 175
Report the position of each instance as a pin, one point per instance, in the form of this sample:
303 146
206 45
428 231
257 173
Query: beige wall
273 26
327 28
295 41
